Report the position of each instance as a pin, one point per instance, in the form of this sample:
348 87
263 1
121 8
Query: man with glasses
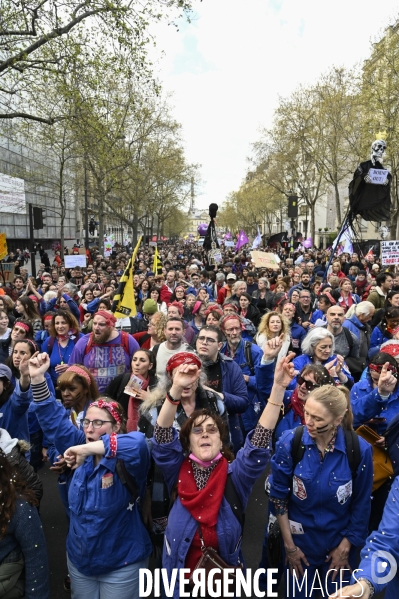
304 308
248 357
224 377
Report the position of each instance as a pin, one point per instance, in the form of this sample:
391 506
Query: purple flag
242 240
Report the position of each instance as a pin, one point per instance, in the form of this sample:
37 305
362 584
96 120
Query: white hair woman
318 348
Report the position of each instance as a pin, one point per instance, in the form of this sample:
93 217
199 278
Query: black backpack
392 443
352 449
248 357
355 365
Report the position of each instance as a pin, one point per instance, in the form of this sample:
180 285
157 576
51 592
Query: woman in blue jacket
379 556
296 332
107 542
377 395
318 348
322 510
196 461
384 331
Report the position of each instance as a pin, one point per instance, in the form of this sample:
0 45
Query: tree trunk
62 207
312 222
337 205
101 222
134 228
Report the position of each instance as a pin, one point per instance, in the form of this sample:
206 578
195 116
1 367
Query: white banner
378 176
75 260
12 194
390 252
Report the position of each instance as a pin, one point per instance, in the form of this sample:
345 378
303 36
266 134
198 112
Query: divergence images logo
377 569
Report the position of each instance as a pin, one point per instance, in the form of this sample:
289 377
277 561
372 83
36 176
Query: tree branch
44 39
31 117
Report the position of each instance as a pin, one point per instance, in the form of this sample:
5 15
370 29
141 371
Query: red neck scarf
203 505
297 406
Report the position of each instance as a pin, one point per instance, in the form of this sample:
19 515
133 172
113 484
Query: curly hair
264 329
11 486
68 317
159 325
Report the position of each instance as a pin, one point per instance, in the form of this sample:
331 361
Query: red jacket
223 294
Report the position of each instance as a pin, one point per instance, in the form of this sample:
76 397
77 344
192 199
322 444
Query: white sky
227 68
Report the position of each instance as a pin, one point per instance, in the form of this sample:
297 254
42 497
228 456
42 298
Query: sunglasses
309 386
211 429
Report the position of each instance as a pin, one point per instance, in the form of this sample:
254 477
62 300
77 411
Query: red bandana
297 406
203 505
110 406
182 357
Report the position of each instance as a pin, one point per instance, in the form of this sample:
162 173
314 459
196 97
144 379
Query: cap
150 274
119 273
150 306
5 371
231 275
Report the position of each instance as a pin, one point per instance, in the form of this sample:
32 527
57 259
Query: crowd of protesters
163 408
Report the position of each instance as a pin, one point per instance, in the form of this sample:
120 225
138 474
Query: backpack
392 443
51 341
124 339
352 449
355 365
248 357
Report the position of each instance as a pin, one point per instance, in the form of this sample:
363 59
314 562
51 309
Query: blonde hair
264 329
160 325
336 400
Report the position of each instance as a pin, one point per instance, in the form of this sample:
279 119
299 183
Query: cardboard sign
75 260
7 271
229 244
265 260
390 252
378 176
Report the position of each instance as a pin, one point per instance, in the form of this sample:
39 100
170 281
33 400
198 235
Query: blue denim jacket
245 470
104 534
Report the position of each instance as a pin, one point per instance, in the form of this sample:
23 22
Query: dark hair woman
23 563
248 310
384 331
198 463
21 330
64 333
87 297
27 309
30 431
392 299
131 393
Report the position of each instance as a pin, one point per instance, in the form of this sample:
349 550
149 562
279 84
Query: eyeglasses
207 340
211 429
96 423
309 386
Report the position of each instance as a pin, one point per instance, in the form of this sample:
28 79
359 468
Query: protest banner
75 260
3 246
389 252
7 272
265 260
